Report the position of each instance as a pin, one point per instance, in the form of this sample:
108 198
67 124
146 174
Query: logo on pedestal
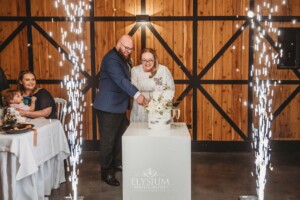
150 180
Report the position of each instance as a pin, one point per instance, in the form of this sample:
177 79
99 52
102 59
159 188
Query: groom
111 103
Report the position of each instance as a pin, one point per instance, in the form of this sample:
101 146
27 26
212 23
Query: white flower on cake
159 109
160 101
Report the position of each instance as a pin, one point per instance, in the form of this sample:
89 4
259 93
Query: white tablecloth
29 171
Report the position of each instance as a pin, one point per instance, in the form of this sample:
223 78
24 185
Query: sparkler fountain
73 84
265 58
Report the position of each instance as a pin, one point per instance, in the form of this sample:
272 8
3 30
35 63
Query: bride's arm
168 79
134 77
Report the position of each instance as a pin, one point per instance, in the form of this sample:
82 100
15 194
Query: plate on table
20 128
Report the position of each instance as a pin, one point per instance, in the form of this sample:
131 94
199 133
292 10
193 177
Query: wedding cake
157 121
159 110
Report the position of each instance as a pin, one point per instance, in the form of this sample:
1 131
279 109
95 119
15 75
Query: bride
148 77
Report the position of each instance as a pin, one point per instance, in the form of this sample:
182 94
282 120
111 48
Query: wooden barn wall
197 33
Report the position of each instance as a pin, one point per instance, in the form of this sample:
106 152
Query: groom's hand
145 102
142 100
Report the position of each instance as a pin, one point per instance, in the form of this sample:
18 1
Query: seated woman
148 77
44 104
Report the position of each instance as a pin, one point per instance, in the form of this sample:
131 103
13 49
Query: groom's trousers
111 128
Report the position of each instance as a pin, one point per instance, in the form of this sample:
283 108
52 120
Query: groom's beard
126 58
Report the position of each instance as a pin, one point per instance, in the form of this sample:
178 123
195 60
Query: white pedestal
156 165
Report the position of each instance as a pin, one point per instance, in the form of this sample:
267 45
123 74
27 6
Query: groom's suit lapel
126 69
125 65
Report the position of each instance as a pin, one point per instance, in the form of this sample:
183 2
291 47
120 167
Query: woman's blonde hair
155 66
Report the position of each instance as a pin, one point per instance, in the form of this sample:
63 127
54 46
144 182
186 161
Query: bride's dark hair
153 52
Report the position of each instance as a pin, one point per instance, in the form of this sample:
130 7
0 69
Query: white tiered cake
159 110
159 121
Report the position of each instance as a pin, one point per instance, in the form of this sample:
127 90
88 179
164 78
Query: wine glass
173 113
177 114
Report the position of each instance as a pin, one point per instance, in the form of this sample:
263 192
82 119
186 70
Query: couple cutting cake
119 82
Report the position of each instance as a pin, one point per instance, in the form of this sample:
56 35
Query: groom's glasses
127 48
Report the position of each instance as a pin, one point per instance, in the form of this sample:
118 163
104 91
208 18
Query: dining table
32 161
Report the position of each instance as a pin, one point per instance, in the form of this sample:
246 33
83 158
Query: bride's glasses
147 61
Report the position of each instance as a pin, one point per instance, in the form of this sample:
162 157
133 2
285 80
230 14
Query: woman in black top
44 104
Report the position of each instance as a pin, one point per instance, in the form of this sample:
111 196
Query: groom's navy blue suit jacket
114 85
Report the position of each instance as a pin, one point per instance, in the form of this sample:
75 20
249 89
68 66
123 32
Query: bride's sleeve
169 79
134 79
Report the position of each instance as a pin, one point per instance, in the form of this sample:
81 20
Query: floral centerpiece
160 101
159 109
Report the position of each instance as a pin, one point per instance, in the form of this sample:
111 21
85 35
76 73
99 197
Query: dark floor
215 176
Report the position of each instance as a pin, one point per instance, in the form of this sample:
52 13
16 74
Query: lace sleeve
168 79
134 77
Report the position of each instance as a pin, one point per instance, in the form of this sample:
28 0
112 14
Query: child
13 98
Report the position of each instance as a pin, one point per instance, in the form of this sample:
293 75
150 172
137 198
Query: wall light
250 14
142 18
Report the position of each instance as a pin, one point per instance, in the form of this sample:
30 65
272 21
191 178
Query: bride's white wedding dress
163 79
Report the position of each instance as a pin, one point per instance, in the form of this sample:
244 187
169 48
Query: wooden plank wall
212 35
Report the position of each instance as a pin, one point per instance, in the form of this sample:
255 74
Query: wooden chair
61 109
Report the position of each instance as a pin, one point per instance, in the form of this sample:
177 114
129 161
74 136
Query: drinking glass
175 113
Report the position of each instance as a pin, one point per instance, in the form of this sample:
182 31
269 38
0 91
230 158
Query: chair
61 109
